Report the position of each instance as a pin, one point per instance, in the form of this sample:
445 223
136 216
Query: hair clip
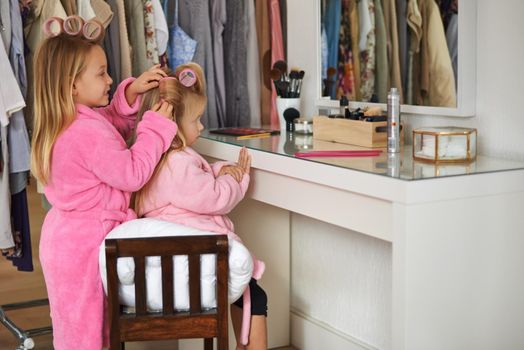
91 30
187 77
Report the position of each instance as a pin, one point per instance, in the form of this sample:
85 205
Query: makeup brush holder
282 105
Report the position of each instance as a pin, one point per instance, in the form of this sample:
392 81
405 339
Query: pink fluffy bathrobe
92 175
187 191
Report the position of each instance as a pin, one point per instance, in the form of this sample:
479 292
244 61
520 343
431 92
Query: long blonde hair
58 62
186 101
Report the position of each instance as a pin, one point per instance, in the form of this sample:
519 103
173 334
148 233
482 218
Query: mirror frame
467 73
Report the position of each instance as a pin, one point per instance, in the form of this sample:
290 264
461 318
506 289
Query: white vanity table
456 235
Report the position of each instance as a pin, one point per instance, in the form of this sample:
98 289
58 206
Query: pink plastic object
187 77
342 153
48 27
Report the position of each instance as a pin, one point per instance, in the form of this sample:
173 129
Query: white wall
500 122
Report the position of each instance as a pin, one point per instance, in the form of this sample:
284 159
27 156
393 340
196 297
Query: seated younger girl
187 190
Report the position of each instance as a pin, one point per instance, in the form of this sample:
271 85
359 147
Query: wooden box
353 132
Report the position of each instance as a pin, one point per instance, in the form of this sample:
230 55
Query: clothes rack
24 336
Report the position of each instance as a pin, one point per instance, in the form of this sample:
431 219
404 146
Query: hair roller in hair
53 26
93 30
73 25
187 77
163 82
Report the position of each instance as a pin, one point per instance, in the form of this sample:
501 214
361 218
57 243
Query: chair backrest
169 324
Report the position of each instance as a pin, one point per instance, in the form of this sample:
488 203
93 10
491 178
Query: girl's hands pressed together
145 82
244 160
242 167
163 108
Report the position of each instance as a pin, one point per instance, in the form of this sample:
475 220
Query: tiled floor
23 286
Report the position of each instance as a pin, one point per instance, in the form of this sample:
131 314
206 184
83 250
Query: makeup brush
331 71
299 82
293 81
276 76
281 65
290 115
329 82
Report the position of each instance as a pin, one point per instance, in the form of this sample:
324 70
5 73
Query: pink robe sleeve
186 185
128 169
119 112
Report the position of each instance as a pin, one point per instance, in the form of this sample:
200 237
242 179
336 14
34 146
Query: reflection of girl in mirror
187 190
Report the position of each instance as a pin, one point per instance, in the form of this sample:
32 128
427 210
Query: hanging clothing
11 101
19 148
346 74
354 22
253 78
390 18
85 10
235 65
126 69
41 11
437 82
367 56
403 41
277 53
90 195
21 228
150 35
264 55
324 52
332 26
193 18
134 10
69 7
414 20
6 233
283 22
5 23
452 41
218 21
161 29
111 45
103 12
382 70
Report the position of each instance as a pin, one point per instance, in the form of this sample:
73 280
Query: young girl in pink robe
187 190
80 154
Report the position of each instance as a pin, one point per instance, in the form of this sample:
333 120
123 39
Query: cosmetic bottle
393 107
344 107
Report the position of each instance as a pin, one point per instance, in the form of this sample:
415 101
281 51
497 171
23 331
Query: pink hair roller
187 77
73 25
93 30
48 27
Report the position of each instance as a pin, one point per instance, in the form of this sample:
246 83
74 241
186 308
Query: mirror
425 48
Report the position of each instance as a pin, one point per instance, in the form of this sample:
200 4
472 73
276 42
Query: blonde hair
58 62
186 101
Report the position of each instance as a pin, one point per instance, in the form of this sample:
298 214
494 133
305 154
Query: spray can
393 121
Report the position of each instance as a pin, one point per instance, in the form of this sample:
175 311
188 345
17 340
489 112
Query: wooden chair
168 324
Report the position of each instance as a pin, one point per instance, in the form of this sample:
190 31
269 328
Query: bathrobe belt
100 214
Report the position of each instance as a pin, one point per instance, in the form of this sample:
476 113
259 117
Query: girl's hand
164 108
234 170
145 82
244 160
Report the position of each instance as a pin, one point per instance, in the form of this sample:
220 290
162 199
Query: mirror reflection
369 46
